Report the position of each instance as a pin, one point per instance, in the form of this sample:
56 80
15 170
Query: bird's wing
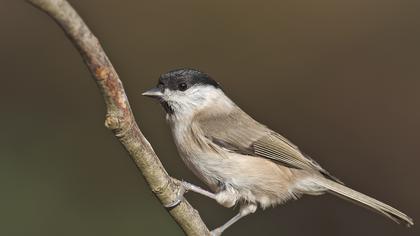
237 132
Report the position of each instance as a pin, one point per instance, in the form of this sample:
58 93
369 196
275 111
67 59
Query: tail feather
369 202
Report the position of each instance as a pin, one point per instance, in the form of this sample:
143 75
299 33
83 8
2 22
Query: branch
119 117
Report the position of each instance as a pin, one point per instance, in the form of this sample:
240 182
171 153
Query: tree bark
119 117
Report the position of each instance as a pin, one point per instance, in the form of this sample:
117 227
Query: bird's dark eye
182 86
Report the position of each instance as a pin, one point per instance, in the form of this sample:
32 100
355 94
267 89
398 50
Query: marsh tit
242 161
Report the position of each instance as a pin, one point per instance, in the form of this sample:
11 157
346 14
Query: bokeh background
338 78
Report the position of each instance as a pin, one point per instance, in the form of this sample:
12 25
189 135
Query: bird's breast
198 155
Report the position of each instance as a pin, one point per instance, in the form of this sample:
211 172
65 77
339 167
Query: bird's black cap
182 79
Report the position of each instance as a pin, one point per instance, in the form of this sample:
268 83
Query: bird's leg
226 198
185 187
243 211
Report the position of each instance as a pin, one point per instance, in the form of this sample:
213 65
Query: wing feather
237 132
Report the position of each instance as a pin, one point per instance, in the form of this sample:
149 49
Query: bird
243 162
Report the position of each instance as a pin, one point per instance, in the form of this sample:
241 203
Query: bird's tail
366 201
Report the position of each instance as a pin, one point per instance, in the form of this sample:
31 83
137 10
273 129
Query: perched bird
242 161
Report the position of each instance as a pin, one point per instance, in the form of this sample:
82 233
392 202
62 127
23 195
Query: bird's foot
216 232
183 188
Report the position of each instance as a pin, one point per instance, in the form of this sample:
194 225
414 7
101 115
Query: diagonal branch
119 117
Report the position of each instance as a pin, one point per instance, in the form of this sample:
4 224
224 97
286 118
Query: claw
180 195
177 201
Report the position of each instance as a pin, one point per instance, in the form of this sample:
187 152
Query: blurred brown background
339 78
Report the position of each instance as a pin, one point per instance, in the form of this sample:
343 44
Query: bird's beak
153 93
